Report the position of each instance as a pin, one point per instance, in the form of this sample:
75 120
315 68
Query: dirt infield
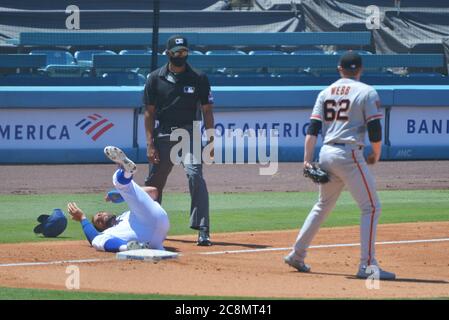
422 266
220 178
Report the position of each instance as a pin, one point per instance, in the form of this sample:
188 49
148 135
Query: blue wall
396 99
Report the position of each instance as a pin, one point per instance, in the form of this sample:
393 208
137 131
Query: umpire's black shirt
177 96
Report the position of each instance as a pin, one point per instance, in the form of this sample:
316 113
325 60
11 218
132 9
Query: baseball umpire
344 112
174 97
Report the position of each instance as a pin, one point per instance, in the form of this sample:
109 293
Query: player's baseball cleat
293 261
382 274
204 239
135 245
119 157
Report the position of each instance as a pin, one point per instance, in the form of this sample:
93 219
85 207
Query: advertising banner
65 128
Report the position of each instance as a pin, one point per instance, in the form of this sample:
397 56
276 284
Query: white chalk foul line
25 264
324 246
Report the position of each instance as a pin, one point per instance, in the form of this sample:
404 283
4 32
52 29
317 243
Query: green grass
39 294
34 294
229 212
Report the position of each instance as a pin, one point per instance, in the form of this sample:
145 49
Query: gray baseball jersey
345 107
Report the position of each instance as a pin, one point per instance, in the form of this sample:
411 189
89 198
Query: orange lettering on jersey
340 91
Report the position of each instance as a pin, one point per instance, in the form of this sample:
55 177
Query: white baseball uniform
146 221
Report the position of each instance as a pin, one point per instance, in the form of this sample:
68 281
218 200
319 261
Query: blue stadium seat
225 70
60 57
315 52
85 57
125 78
266 52
64 71
310 52
224 52
425 75
273 70
379 74
341 52
195 52
135 51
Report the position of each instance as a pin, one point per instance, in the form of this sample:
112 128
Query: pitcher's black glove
316 174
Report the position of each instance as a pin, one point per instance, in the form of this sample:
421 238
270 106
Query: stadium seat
225 70
341 52
65 71
85 57
311 52
379 74
135 51
142 79
266 52
59 57
125 78
273 70
231 52
425 75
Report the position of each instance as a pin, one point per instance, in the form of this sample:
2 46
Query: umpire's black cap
177 42
350 61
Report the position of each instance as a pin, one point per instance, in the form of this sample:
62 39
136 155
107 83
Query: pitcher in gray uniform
344 112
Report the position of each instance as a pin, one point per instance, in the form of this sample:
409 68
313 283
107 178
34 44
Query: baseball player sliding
145 225
344 112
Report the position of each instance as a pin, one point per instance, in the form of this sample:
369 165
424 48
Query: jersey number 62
332 113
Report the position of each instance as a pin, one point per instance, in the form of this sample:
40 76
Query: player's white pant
346 166
148 212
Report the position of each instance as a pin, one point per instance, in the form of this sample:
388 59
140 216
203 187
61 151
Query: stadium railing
194 38
236 61
22 61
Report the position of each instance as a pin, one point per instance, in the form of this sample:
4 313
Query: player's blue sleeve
114 244
89 230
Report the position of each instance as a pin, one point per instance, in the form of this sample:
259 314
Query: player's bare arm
310 142
309 149
374 156
150 116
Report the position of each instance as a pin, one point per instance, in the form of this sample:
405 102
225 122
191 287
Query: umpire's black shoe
204 239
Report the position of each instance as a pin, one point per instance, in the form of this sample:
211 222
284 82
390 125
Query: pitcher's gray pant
199 208
346 166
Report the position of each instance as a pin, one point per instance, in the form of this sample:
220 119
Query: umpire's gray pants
199 208
347 167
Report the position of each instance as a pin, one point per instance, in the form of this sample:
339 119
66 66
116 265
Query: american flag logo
94 126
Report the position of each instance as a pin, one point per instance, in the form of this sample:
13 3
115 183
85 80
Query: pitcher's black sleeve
314 127
375 130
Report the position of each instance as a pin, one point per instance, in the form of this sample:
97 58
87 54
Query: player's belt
344 145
